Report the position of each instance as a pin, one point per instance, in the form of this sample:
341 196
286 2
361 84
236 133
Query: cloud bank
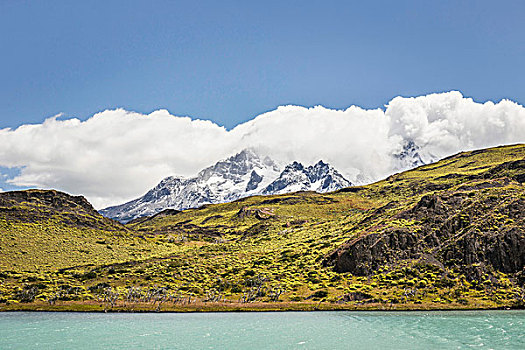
117 155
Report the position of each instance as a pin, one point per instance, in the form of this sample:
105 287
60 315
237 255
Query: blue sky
230 60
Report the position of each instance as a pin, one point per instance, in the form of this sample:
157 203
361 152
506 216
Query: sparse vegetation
445 235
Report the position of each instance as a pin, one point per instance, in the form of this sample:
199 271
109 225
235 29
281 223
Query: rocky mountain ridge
242 175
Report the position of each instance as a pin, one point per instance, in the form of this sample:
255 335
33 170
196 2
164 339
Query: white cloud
446 123
118 155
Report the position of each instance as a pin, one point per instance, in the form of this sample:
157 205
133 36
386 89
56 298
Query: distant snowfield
117 155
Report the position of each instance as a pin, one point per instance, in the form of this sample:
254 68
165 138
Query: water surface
265 330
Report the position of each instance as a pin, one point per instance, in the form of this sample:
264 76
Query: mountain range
446 235
242 175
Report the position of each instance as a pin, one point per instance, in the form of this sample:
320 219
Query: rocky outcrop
33 206
56 199
477 228
514 170
258 213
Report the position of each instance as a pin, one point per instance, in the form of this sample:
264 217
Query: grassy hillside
445 235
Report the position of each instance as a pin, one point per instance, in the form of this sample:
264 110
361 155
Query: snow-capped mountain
411 157
242 175
320 177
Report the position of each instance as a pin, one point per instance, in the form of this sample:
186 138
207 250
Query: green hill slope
49 230
445 235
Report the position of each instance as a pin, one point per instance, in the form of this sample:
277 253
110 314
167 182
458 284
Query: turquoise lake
264 330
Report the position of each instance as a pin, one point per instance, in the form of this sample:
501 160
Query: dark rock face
504 251
366 254
515 169
299 177
255 180
477 232
293 173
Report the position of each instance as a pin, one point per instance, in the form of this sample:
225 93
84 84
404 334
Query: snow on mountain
411 157
320 177
242 175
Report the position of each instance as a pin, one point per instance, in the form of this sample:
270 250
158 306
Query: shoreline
261 307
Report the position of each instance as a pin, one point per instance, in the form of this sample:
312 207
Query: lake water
265 330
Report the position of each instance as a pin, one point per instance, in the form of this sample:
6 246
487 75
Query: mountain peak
245 154
320 177
294 166
243 174
411 157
